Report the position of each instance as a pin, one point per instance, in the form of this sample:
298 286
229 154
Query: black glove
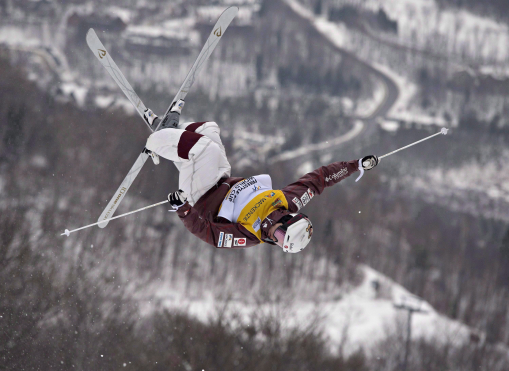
177 199
369 162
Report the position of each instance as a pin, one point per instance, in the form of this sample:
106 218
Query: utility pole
414 305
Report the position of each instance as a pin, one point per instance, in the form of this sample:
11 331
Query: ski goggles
287 220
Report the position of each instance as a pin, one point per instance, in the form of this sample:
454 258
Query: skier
231 212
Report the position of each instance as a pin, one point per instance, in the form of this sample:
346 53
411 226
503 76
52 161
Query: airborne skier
221 210
230 212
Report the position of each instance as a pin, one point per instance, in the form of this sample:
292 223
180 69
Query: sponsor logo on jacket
220 242
256 225
253 209
286 247
310 193
297 202
336 176
277 203
239 242
239 187
307 196
228 240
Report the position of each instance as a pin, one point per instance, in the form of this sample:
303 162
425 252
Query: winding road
366 124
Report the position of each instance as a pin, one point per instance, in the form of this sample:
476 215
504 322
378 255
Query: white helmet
295 233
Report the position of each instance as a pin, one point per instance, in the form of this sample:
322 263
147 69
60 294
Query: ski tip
232 9
91 35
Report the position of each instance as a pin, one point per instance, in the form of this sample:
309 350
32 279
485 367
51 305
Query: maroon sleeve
221 235
298 194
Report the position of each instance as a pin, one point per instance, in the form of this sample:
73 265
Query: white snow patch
12 36
388 125
245 16
367 107
126 105
39 161
421 22
104 101
337 33
77 91
361 318
499 72
305 168
490 179
124 14
305 149
300 9
174 29
407 89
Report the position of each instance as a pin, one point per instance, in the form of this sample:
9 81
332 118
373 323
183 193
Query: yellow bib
259 208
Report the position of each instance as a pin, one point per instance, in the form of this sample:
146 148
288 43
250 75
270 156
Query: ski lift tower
412 304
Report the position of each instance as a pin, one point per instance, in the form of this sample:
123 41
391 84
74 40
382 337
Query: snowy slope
422 23
360 318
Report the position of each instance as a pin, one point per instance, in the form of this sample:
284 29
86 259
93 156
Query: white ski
217 32
104 57
122 190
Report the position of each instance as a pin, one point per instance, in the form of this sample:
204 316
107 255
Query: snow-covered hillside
422 24
357 318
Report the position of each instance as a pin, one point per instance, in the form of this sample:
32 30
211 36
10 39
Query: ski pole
443 131
68 232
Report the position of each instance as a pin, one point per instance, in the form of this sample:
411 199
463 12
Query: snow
388 125
402 109
175 29
12 35
39 161
367 107
362 317
488 179
124 14
244 17
337 33
103 101
77 91
422 23
499 72
300 9
407 89
124 104
305 149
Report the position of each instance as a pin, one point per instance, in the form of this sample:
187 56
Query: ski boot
172 120
154 156
150 117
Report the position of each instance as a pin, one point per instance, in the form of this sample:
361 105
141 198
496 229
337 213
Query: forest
429 221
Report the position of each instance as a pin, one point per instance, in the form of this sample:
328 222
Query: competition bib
240 195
